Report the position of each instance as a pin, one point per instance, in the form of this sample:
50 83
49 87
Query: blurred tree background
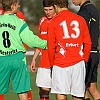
33 10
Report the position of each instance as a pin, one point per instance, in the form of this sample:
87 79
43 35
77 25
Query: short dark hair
47 3
61 3
6 4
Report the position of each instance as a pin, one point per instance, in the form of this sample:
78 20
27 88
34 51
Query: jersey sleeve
87 43
51 43
20 15
39 32
28 37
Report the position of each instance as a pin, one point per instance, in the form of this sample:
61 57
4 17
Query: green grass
12 96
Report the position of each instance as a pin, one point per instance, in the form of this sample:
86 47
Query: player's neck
8 12
61 9
83 1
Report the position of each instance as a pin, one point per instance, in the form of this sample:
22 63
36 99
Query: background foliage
33 9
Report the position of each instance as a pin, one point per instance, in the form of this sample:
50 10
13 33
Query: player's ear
68 5
12 6
55 6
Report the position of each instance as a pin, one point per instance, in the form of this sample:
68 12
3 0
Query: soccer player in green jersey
13 32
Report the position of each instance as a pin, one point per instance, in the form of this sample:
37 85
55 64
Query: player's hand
32 66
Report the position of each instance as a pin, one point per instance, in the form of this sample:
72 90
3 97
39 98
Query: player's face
49 11
77 2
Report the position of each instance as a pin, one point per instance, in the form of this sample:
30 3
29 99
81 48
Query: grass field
12 96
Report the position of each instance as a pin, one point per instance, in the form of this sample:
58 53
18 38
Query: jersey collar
86 3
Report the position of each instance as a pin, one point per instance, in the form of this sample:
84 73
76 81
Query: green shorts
14 67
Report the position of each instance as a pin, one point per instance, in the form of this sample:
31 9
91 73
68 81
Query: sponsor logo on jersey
7 25
43 32
72 44
8 52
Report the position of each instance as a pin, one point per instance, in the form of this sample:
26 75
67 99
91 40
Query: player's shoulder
42 19
18 20
80 19
90 8
73 16
78 16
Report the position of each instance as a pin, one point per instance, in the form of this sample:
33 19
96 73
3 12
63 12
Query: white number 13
75 28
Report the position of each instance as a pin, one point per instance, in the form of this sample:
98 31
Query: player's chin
49 17
16 11
75 4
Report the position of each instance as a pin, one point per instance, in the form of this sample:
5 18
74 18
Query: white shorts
43 77
69 80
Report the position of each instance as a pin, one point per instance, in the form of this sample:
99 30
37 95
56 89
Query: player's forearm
33 40
36 53
39 43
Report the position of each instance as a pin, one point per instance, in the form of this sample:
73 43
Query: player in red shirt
67 33
43 78
21 16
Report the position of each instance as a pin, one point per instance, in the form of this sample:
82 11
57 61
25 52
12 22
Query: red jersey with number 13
67 32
